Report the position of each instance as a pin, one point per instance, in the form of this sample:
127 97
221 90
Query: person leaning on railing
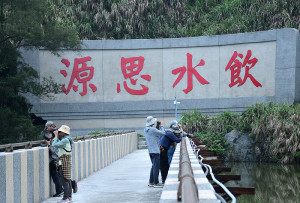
50 126
53 156
64 160
174 134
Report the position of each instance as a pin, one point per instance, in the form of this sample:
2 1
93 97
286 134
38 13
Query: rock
241 147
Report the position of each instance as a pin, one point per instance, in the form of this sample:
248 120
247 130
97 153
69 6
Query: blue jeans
155 159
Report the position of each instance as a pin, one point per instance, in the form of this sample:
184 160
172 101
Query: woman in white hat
64 159
153 135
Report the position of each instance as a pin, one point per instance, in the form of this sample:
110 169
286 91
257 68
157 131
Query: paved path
124 180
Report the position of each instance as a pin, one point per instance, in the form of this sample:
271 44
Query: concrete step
142 147
142 143
211 158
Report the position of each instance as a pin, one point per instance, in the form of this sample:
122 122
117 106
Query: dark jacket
167 140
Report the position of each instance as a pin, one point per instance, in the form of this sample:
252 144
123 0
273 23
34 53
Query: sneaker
58 194
74 186
70 199
158 185
150 184
63 201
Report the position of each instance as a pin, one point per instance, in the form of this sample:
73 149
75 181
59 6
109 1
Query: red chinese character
235 67
82 75
190 72
130 70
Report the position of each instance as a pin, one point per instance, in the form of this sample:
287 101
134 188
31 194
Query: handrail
208 168
28 145
187 189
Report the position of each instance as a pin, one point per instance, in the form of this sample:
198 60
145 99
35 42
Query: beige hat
64 129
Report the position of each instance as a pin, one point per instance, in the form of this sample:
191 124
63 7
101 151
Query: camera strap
71 147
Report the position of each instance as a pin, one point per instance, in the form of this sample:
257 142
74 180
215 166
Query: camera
46 137
158 124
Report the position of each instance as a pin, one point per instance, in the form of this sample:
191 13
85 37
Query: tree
26 24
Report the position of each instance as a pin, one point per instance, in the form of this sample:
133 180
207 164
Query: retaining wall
25 177
124 81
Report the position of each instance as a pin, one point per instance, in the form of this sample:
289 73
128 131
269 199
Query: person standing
153 135
50 126
53 156
174 134
64 146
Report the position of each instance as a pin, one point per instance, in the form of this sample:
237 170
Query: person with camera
64 164
53 156
174 134
51 127
153 132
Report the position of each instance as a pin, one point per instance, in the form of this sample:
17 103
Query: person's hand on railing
48 142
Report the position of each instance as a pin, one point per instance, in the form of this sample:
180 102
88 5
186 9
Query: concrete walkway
125 180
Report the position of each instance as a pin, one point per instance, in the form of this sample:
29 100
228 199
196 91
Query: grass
97 132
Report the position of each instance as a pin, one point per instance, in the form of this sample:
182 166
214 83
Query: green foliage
297 154
224 122
211 131
215 142
17 124
274 128
26 24
126 19
31 23
140 135
194 121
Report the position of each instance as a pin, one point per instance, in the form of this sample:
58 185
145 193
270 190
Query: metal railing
28 145
187 189
209 170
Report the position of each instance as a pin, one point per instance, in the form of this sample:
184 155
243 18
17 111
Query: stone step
142 147
211 158
142 138
142 143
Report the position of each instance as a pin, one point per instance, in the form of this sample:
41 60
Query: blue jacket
153 135
167 140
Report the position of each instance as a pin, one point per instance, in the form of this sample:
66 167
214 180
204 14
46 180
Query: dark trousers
170 154
55 177
164 165
154 172
67 185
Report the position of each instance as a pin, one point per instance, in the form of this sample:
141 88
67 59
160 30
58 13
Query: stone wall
103 94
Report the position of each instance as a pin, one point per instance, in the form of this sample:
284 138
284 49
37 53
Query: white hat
150 121
64 129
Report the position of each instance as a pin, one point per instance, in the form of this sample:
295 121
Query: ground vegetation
274 128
